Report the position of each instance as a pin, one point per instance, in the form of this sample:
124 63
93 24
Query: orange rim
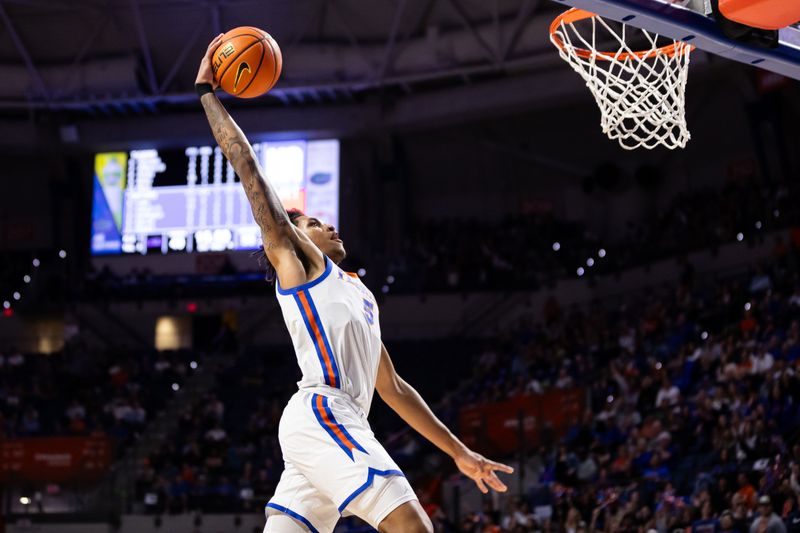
574 15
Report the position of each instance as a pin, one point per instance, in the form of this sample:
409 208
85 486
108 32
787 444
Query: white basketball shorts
333 464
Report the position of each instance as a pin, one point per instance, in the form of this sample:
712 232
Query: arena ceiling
108 74
140 56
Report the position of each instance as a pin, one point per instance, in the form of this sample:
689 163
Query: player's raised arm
290 252
406 402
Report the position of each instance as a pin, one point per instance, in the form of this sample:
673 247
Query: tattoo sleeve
267 209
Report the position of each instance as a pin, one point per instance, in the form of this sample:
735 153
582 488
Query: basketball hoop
641 94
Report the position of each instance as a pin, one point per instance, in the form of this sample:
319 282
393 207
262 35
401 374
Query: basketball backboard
690 21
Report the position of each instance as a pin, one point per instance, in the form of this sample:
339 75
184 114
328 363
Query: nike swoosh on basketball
242 67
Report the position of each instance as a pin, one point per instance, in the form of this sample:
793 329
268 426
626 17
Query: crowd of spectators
693 425
80 391
695 409
225 456
463 255
694 390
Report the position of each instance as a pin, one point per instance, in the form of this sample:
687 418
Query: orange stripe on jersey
334 427
316 329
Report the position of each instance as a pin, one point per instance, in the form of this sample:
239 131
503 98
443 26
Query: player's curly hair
261 257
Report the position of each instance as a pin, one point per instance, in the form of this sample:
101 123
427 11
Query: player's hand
482 471
205 74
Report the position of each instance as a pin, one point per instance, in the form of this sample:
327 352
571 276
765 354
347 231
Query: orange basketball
247 62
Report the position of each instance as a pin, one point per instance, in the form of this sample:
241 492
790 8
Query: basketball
247 63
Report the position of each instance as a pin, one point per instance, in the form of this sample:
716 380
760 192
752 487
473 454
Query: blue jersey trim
341 427
329 430
317 347
343 445
370 477
294 515
308 285
337 380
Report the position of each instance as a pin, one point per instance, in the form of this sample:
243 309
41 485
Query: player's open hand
482 471
206 74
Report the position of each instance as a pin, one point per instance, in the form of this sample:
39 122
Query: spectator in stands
706 523
216 433
767 521
741 513
792 519
746 491
519 519
30 422
761 361
727 522
75 410
668 395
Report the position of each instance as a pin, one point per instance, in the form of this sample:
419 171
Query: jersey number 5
368 308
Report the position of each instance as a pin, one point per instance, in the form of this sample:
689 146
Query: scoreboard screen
191 200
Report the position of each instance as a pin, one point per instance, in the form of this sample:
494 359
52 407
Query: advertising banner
110 175
55 460
524 420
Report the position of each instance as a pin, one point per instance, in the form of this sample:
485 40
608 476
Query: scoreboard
191 200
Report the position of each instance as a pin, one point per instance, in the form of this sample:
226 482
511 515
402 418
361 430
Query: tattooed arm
295 258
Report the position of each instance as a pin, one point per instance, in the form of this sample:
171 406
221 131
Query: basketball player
333 463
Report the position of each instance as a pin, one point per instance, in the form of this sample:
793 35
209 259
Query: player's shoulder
330 267
345 275
353 278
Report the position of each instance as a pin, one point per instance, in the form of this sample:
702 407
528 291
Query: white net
641 94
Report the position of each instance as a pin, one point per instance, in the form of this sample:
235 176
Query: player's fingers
500 466
481 486
493 481
214 42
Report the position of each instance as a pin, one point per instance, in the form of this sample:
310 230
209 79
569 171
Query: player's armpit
291 266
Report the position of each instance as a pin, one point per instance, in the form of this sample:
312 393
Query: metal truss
494 36
23 51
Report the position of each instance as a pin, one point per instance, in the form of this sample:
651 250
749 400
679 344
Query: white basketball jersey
333 322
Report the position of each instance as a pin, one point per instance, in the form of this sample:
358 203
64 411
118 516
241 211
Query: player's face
324 236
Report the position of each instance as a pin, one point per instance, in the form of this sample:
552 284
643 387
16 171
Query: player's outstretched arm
283 243
406 402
